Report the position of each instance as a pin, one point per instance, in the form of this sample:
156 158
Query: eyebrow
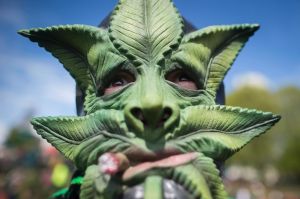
106 70
195 68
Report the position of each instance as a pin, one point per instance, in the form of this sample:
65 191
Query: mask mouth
143 168
137 155
135 161
142 164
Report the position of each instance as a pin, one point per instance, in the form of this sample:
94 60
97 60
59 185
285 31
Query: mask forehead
146 31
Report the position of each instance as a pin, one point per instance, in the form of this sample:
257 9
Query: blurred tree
259 152
24 145
280 146
289 161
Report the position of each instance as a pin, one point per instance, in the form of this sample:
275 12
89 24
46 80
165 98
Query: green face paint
149 95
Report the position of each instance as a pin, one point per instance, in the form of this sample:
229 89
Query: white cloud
29 83
49 73
251 78
48 78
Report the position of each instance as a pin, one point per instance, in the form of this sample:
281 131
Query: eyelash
182 79
123 78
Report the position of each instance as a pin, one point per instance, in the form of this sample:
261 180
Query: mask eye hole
182 79
120 80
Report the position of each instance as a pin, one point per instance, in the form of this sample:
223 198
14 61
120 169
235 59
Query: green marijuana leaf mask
150 96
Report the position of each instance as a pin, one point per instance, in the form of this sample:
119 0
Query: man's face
150 96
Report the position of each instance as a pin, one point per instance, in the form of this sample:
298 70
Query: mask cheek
112 90
190 85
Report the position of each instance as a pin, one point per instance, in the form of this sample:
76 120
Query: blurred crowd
244 182
29 167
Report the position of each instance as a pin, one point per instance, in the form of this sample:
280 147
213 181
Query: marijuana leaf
83 50
145 29
200 178
212 51
76 137
219 131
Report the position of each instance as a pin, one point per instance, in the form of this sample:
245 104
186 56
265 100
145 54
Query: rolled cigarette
112 163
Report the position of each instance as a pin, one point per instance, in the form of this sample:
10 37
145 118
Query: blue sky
31 80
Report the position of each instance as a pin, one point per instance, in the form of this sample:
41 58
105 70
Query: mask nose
150 113
152 121
152 118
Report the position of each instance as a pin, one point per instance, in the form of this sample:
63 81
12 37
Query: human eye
120 80
182 79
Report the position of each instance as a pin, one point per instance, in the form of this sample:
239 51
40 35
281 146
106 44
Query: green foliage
220 131
280 147
81 138
21 139
207 183
289 103
218 46
146 30
83 50
252 97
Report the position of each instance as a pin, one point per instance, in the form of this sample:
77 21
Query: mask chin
171 190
